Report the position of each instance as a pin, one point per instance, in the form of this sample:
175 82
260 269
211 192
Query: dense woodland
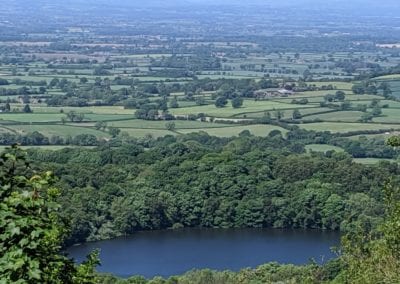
32 230
199 180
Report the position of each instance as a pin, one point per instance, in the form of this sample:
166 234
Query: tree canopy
31 229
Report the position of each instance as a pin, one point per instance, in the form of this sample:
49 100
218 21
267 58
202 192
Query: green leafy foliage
31 230
374 256
202 181
266 273
394 141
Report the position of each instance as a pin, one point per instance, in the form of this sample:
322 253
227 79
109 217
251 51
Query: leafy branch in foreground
375 257
31 231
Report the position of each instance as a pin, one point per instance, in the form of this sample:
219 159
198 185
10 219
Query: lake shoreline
174 251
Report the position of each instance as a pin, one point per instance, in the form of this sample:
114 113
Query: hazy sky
362 3
348 6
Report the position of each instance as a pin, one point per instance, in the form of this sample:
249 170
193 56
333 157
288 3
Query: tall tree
296 114
237 102
31 230
27 109
374 257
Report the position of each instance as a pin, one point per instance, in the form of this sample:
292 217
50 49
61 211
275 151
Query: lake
172 252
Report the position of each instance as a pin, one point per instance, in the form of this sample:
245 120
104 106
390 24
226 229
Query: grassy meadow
219 121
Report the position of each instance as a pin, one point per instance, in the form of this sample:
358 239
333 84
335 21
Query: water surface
171 252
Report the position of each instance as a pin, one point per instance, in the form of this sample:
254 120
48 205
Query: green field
389 116
140 132
339 85
346 116
179 124
393 81
249 106
47 147
31 117
59 130
347 127
372 161
392 76
94 109
361 98
322 148
142 71
289 113
258 130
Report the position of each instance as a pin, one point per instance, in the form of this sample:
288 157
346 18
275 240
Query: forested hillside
202 181
35 229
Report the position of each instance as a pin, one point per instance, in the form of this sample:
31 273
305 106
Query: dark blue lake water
171 252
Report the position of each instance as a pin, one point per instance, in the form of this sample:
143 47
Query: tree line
201 181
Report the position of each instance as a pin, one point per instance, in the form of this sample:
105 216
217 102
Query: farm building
284 92
261 94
